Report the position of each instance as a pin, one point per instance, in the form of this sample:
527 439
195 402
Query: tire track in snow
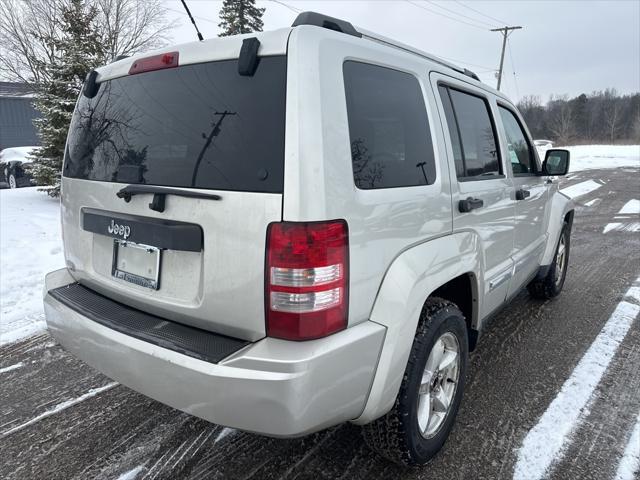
11 367
547 441
60 407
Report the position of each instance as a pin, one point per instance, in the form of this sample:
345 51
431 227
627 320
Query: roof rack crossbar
342 26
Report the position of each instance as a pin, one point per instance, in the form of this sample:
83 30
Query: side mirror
556 162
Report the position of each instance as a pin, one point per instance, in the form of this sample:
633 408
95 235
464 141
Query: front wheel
12 181
551 285
431 391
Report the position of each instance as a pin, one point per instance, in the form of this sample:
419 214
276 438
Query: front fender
411 278
559 206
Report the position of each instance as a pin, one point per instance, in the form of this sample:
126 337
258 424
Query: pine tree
240 16
79 50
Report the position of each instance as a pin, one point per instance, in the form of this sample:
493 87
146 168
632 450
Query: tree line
599 117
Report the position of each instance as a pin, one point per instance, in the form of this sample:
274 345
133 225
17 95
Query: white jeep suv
282 231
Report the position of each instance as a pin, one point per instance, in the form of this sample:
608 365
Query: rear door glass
200 126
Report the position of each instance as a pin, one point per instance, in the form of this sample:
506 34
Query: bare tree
29 31
130 26
612 117
561 118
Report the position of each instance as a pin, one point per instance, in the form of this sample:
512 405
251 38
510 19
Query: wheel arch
450 266
463 291
562 209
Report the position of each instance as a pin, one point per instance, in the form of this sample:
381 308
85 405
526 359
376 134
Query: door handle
522 194
470 204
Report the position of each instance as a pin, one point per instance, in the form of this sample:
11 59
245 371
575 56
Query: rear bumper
273 387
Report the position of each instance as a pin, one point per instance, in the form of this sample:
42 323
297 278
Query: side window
520 152
453 130
472 134
388 128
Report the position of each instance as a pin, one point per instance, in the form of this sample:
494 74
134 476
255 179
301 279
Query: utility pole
505 33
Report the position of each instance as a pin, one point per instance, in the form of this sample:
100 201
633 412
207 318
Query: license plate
135 263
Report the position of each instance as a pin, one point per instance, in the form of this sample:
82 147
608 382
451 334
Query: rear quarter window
388 128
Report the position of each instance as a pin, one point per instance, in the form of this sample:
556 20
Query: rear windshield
200 126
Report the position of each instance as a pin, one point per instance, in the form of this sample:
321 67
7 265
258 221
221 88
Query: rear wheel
424 412
551 285
12 181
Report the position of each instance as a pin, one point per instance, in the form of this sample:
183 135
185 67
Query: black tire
12 181
551 285
397 435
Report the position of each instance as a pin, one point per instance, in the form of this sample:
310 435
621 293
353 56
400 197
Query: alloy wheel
439 384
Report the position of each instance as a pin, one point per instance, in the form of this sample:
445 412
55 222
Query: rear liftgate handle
522 194
470 204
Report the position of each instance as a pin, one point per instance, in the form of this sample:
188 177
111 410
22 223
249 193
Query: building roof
16 89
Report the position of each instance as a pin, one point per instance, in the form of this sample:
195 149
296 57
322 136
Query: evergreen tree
240 16
78 50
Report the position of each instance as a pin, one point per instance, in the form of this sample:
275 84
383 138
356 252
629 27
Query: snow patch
622 227
11 367
30 243
60 407
546 442
131 474
580 189
26 327
629 465
591 157
631 207
224 433
591 203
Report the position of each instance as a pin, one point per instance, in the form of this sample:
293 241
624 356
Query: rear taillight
307 279
156 62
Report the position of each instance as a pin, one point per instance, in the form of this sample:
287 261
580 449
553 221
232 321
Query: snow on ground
547 442
61 406
30 246
582 188
629 465
591 157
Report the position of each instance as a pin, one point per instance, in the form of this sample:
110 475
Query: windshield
199 126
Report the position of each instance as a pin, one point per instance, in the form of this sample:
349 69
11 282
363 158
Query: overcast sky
565 47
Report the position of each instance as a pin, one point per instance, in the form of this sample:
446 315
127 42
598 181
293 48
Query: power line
513 67
444 15
506 31
293 9
501 22
460 14
194 16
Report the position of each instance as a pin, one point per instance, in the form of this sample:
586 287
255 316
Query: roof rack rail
342 26
325 21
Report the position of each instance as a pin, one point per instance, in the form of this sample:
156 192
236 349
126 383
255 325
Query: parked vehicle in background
282 231
543 143
12 167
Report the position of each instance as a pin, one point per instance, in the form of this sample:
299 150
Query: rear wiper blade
160 193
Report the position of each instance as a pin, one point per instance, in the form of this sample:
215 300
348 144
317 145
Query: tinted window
472 134
520 152
388 128
201 126
453 130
